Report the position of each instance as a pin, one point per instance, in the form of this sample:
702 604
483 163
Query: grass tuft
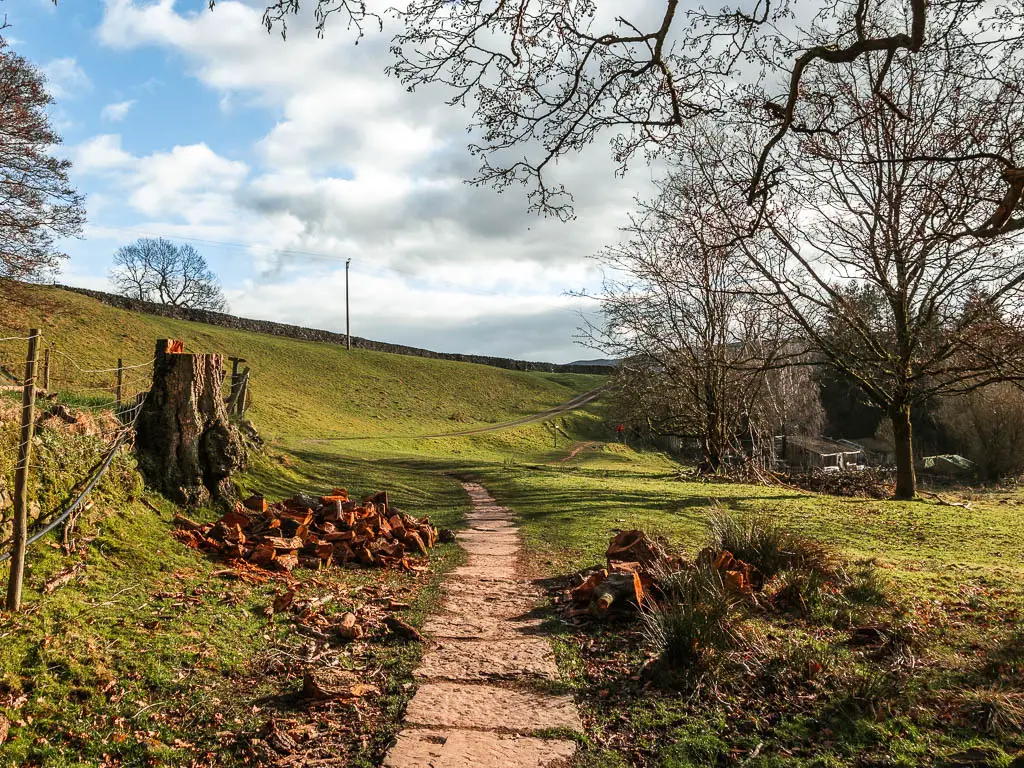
994 710
694 621
759 539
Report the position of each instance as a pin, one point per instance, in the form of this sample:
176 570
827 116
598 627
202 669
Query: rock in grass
403 630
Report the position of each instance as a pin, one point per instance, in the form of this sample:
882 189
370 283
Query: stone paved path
475 706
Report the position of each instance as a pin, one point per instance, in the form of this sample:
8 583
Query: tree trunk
186 445
906 479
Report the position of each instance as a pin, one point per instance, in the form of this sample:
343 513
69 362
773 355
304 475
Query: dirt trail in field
481 701
579 448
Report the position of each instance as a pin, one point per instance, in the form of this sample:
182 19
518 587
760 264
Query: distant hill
602 361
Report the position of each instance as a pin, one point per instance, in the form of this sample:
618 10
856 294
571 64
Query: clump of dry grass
763 542
993 710
695 618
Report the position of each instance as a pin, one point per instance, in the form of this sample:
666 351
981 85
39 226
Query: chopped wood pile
630 581
314 532
738 576
869 483
622 587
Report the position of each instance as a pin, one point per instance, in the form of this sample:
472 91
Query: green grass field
189 652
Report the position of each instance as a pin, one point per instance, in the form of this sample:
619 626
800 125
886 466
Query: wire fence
64 419
82 416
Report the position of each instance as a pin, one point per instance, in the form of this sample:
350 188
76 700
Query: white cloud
100 154
65 79
117 111
191 183
354 167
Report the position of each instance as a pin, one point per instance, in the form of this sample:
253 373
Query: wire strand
101 370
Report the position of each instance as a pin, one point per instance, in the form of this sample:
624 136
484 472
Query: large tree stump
186 445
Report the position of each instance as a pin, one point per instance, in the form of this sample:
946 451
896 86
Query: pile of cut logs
622 587
630 581
314 532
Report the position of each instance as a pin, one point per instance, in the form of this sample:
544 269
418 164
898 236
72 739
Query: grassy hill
146 655
300 389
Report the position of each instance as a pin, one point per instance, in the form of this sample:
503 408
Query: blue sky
281 159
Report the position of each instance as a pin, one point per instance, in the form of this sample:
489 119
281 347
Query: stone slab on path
490 548
472 749
475 568
479 627
485 633
482 660
458 705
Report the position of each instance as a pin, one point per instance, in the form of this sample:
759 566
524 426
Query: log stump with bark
187 446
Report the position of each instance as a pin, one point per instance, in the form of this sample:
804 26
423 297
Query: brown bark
186 445
906 478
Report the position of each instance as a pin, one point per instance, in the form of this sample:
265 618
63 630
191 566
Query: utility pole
348 327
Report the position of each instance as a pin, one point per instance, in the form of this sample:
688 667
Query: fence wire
84 414
82 418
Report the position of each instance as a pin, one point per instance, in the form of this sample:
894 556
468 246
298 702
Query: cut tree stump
186 445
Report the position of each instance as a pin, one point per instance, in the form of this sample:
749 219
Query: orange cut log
286 561
256 503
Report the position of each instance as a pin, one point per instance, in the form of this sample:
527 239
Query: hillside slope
148 653
301 390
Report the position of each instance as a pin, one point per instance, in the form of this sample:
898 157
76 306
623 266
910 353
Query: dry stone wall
313 334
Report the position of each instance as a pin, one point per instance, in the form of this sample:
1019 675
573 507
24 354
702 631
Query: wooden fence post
120 379
28 415
243 390
236 380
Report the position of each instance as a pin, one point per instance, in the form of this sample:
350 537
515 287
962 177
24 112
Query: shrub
806 592
695 618
760 540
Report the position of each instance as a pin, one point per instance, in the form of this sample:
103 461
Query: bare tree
160 271
697 350
988 426
37 202
854 217
545 79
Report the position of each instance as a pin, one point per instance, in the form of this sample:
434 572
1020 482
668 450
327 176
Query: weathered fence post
28 407
243 391
235 380
120 380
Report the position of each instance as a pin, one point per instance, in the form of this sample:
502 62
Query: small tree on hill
160 271
37 203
